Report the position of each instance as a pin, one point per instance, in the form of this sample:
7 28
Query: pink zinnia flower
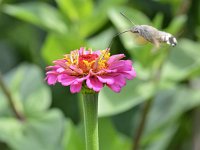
93 69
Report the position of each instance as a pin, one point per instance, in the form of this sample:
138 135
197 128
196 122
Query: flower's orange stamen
90 61
102 60
86 61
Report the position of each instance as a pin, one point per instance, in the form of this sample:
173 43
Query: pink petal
121 65
81 51
130 74
60 70
82 78
118 84
76 87
60 62
117 64
115 88
66 80
69 71
128 64
51 78
106 79
76 69
120 80
94 83
109 71
52 67
114 58
98 52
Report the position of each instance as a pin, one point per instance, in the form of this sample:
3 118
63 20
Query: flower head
93 69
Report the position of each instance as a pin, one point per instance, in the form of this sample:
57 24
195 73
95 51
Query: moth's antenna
127 18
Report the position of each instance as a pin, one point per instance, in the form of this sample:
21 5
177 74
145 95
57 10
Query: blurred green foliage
34 33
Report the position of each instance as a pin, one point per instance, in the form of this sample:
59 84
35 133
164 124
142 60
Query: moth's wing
140 40
153 40
156 42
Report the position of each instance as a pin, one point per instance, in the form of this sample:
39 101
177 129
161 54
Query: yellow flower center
86 62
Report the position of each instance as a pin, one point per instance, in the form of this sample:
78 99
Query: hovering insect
151 34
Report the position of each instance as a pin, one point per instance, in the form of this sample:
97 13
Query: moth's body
150 34
153 35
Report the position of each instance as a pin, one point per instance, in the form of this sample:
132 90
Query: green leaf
162 138
10 127
42 133
174 101
89 17
177 24
93 22
102 40
132 94
76 9
26 83
56 45
40 14
110 139
157 21
41 129
168 106
68 8
183 61
110 3
73 137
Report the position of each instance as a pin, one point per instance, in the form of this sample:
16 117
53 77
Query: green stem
10 100
148 104
142 124
90 109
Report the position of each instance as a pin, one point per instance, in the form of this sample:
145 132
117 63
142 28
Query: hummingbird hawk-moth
151 34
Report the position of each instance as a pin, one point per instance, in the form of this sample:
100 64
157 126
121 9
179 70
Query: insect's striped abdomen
168 38
153 35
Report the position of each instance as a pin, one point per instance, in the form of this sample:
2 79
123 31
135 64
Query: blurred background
158 110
